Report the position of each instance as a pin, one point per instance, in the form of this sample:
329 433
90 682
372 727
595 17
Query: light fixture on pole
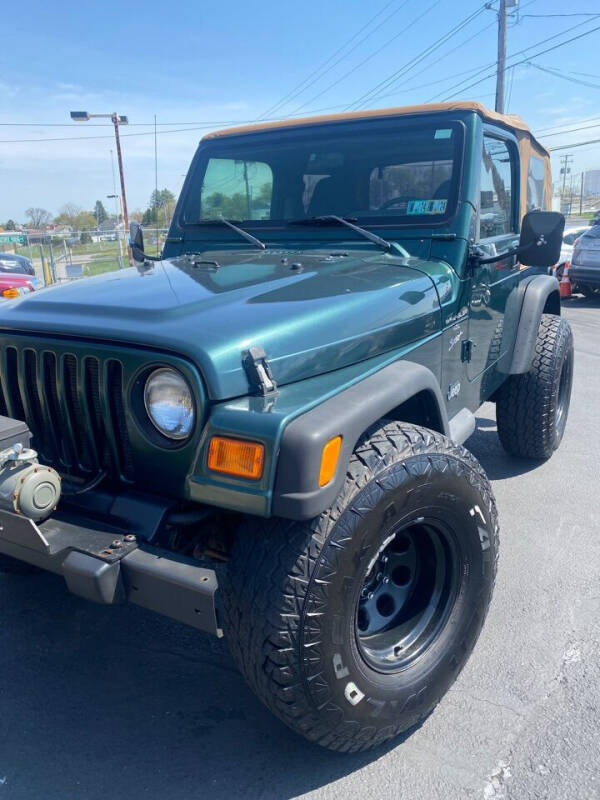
116 119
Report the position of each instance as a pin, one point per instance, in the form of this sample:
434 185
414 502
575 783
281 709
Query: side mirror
541 238
136 242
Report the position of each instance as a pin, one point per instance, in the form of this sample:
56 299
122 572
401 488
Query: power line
573 144
524 60
445 55
326 66
371 56
575 14
571 130
386 83
565 124
558 74
519 52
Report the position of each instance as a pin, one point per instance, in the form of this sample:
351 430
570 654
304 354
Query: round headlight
169 403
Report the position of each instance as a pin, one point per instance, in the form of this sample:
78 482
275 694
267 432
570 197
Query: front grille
74 407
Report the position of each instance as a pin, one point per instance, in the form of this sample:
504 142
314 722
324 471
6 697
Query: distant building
591 184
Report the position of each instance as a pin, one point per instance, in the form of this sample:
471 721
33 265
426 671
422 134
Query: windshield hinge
258 371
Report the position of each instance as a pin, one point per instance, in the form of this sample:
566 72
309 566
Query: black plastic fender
297 494
541 294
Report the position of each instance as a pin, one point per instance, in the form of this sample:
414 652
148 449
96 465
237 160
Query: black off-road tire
532 408
588 291
293 590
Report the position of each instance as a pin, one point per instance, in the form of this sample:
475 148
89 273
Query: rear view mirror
136 242
541 238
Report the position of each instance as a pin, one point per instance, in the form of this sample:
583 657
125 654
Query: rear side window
497 195
536 193
236 189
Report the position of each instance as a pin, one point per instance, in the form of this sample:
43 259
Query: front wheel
350 627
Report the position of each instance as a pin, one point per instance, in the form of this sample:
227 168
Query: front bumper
108 567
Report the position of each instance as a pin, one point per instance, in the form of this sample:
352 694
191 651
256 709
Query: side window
236 189
536 196
496 201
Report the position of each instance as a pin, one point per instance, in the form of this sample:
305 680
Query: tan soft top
512 121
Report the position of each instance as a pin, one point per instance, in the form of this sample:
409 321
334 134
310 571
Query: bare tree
38 217
68 214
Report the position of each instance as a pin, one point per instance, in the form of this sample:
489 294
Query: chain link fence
90 253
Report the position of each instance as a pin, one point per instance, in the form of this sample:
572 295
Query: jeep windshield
375 172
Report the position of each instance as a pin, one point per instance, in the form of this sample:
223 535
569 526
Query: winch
26 486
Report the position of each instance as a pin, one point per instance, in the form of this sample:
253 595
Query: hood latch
258 371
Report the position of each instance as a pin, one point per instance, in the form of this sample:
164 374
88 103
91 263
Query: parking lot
114 702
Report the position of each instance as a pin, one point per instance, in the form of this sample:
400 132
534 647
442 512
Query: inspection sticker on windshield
443 133
426 206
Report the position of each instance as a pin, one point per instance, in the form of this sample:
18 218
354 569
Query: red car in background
12 285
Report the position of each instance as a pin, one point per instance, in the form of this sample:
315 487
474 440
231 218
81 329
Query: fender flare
541 293
297 494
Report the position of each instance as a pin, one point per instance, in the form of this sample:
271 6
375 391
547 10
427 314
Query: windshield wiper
347 221
230 224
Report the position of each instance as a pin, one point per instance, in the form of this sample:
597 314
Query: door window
536 195
496 215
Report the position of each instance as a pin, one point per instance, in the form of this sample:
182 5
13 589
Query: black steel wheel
351 626
406 595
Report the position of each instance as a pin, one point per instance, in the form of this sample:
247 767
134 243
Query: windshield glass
376 172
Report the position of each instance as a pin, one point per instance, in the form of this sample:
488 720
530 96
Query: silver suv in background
585 263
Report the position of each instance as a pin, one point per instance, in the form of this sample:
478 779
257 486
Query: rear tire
416 510
532 408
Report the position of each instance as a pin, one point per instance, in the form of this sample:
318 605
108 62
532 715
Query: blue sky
211 63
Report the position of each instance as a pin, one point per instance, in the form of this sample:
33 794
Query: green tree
85 220
161 206
85 238
10 225
100 212
149 217
67 215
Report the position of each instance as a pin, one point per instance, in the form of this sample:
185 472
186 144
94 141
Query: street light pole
119 239
116 119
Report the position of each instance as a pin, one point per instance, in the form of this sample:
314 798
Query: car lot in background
585 263
10 262
12 286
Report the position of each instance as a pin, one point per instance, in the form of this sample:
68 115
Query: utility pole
501 63
116 122
581 195
116 119
564 171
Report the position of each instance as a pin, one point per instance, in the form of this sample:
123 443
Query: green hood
312 313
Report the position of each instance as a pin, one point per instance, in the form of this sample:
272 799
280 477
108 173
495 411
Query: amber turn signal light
329 460
236 457
11 293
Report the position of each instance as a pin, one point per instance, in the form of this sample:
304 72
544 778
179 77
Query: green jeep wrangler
260 433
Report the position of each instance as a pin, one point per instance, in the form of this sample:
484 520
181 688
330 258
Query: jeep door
498 226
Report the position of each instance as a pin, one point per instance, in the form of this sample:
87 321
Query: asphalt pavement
114 703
